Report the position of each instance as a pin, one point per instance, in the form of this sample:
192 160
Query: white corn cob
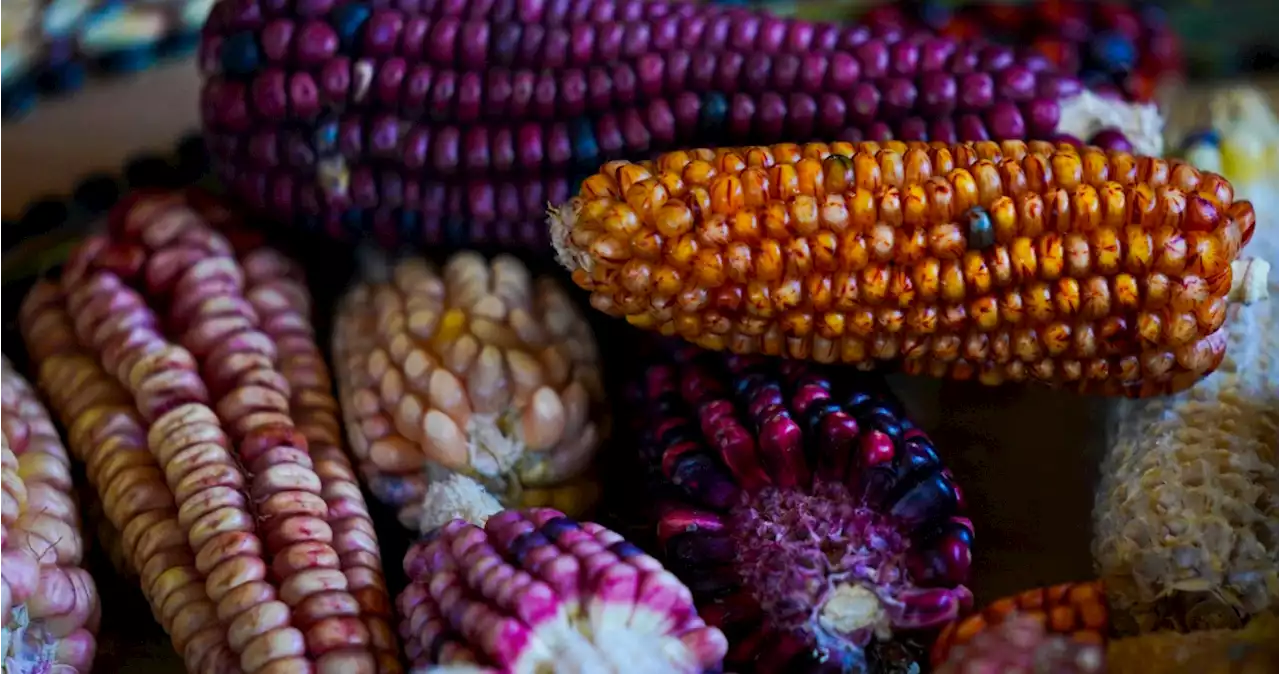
1185 518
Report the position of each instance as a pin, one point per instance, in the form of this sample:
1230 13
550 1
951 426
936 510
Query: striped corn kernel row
258 522
1068 625
275 288
536 591
106 433
814 523
1185 514
1101 272
50 608
477 370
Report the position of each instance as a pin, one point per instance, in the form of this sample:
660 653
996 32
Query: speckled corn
478 370
1022 644
534 591
1098 271
1185 530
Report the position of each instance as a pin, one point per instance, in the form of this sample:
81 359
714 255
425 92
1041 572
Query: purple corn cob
811 520
536 591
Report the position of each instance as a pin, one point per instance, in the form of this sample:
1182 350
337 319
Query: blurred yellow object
1254 649
1249 132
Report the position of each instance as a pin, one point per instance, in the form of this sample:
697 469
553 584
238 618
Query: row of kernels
1148 329
816 169
941 357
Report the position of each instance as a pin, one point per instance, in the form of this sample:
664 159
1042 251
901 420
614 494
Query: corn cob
479 371
50 607
813 523
1022 644
1101 272
1041 626
308 113
268 567
1076 610
536 591
1185 529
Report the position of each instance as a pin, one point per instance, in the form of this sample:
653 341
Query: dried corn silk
1185 519
466 384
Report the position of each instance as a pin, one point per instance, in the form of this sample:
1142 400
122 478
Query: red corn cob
536 591
314 601
812 522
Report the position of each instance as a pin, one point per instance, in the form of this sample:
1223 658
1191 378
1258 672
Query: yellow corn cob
1252 650
1103 272
468 389
1185 519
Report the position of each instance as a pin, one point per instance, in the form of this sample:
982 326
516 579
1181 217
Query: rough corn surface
471 378
188 377
1185 519
815 524
49 609
1097 271
1075 610
535 591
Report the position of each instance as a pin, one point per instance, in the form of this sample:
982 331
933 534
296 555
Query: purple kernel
1112 140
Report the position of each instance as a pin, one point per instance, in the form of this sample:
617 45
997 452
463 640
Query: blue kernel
1206 136
715 109
64 77
625 550
1113 52
325 137
525 543
409 227
980 233
559 526
241 55
348 20
353 223
586 151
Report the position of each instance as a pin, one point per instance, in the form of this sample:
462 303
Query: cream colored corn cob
1185 520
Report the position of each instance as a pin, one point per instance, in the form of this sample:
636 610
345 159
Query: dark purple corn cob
534 591
813 522
308 110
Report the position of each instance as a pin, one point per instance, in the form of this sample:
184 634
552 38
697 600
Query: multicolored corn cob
1100 272
335 111
191 386
51 46
1185 519
813 522
479 371
1107 45
50 610
534 591
1022 644
1065 629
1075 610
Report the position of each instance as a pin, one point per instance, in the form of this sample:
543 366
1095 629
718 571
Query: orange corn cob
1102 272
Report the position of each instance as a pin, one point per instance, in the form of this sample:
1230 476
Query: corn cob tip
561 221
456 497
1249 280
1088 113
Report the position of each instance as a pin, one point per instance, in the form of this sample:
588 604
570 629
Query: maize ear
1101 272
534 591
812 520
479 371
1067 626
1185 517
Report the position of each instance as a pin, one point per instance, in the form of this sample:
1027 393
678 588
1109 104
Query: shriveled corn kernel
1013 243
478 369
1185 515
